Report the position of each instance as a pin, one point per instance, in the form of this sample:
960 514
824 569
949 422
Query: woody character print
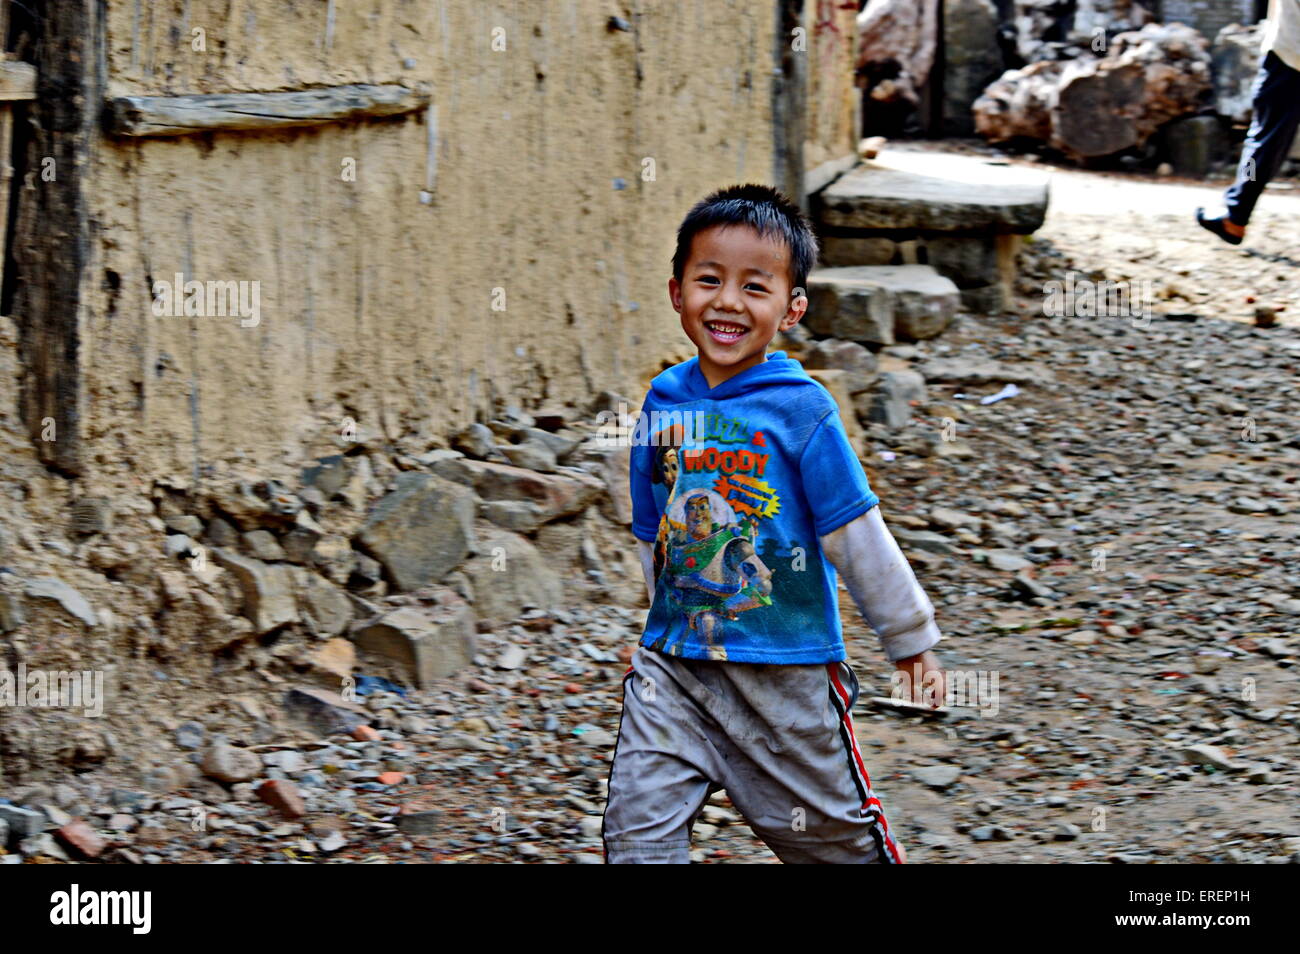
705 551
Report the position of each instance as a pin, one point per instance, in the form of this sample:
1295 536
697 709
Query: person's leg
792 765
659 777
1274 121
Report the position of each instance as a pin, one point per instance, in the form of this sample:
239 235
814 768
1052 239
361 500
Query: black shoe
1215 225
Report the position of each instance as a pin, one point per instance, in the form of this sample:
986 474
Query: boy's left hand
917 685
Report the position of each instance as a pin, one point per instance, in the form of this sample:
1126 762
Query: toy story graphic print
726 573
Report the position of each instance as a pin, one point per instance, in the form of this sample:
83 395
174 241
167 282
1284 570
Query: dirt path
1117 545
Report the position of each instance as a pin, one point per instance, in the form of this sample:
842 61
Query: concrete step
934 192
959 214
880 304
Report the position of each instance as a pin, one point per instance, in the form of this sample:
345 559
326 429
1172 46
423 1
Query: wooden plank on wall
187 115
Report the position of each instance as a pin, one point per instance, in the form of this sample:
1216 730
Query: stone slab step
880 304
934 192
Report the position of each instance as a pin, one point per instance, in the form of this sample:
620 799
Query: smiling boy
740 680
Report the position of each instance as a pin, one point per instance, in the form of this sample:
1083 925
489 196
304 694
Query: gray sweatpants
778 738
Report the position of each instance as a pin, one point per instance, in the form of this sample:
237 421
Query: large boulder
1088 108
420 531
426 643
268 589
509 575
896 46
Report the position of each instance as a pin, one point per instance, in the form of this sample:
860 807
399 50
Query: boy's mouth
725 332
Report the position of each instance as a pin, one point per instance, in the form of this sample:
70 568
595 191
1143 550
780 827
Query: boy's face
734 297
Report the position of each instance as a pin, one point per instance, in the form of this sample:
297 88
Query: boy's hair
760 207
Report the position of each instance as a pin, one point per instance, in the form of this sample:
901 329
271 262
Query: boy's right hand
916 684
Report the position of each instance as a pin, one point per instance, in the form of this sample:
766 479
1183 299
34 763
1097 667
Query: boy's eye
712 280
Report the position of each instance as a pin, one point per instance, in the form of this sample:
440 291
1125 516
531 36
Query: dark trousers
1276 105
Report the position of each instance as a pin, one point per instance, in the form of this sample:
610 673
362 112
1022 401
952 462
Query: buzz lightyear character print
712 571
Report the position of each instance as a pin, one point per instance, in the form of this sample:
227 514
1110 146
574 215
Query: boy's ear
675 294
798 305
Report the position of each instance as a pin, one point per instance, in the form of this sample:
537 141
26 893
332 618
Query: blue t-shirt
733 485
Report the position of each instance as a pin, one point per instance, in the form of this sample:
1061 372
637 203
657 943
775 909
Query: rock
556 495
263 545
856 361
185 523
512 657
268 590
937 776
226 763
926 540
82 839
521 516
298 543
72 602
323 712
531 455
418 821
21 822
332 842
283 795
1087 108
251 505
420 531
329 475
430 643
1028 588
1209 755
1064 831
971 60
1106 18
1008 561
189 735
895 392
923 300
597 739
336 658
845 306
508 576
325 606
42 845
983 371
220 533
945 518
177 545
990 833
476 440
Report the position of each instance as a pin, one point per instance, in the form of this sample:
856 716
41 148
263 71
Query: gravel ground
1116 544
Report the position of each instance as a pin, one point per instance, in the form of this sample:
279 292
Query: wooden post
51 237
